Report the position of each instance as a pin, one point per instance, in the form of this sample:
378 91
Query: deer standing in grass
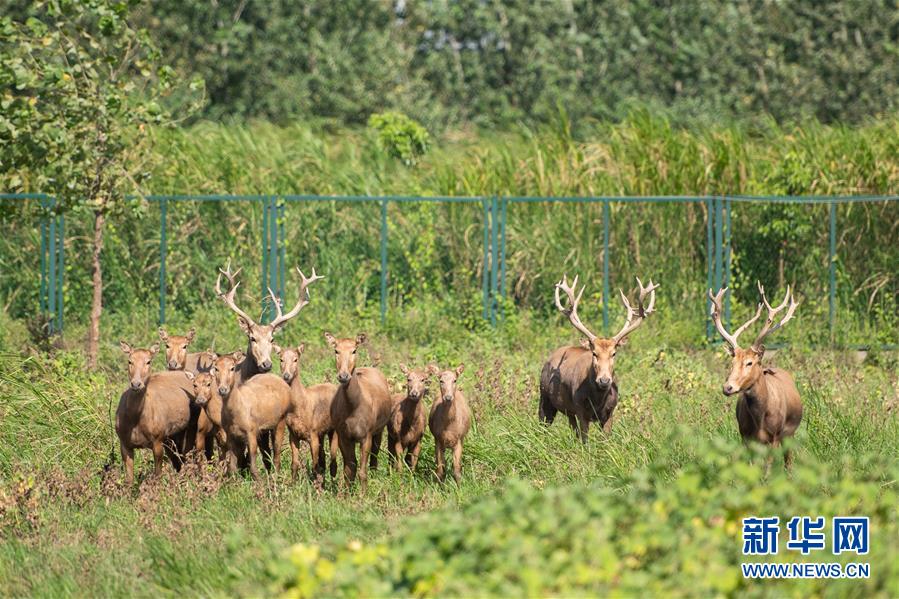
256 402
407 421
207 397
153 413
178 358
310 415
449 420
360 410
769 407
579 381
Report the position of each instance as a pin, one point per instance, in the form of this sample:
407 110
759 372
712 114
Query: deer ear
163 334
301 348
361 338
191 334
459 370
433 370
760 351
330 339
125 347
586 344
244 324
404 369
190 376
238 356
154 349
277 348
623 342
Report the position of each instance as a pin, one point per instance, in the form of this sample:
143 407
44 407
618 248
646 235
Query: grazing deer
309 418
178 358
449 420
578 381
407 420
360 410
153 413
260 338
769 407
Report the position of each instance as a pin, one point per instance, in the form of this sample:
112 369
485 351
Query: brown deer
153 413
449 420
206 396
309 418
360 410
579 381
260 337
769 407
407 421
178 358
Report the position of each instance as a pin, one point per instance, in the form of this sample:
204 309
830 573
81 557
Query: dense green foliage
497 62
201 534
435 251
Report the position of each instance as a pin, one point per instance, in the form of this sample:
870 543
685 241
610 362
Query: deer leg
278 437
607 426
364 455
396 450
348 453
788 460
158 454
583 427
234 449
264 445
252 449
412 458
315 453
441 460
294 455
392 443
457 462
127 463
335 445
546 410
375 448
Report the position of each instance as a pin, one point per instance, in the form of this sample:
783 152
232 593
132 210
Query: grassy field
67 527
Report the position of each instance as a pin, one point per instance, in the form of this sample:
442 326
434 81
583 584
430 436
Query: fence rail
495 211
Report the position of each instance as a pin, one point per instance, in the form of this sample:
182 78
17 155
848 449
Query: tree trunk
93 333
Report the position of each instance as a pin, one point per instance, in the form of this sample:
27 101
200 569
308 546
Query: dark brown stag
769 407
578 380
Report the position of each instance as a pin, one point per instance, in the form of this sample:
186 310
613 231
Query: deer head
261 336
746 367
604 350
290 361
447 379
224 371
176 348
204 387
139 361
416 382
345 355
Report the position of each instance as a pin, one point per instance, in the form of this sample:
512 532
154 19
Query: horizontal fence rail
495 211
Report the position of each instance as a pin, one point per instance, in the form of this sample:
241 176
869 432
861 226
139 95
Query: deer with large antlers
578 380
256 403
769 407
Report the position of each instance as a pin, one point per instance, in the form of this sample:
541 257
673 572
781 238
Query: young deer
407 420
257 406
154 412
206 396
449 420
260 337
769 407
578 381
178 358
360 410
309 418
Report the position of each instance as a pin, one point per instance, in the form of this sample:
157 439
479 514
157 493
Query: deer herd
233 402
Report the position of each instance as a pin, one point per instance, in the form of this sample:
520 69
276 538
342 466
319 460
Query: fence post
273 249
719 242
266 238
494 211
485 273
51 270
282 248
384 233
708 266
832 256
606 215
727 259
163 250
61 270
42 293
502 255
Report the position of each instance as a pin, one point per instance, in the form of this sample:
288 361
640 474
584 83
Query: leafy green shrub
400 136
660 536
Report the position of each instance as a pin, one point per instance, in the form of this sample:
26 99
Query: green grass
66 528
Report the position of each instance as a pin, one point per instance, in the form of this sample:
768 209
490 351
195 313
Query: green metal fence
495 212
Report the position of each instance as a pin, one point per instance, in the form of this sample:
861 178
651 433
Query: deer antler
641 313
281 318
716 312
571 312
233 284
767 329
